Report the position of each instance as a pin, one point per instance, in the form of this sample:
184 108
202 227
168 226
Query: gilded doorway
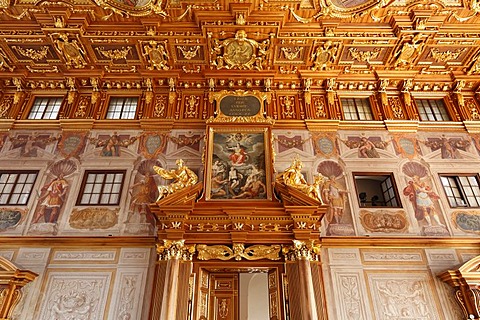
253 292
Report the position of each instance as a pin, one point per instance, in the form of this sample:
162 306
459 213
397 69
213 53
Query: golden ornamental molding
114 54
238 251
31 53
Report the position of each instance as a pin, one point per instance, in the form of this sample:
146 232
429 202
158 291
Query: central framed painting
239 164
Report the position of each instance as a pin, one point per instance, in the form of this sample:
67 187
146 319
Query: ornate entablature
175 55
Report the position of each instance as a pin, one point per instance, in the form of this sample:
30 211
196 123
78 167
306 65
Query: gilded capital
302 250
175 249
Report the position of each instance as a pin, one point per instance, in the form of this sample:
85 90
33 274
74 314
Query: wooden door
223 296
274 297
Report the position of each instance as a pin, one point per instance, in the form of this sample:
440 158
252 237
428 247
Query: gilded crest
239 52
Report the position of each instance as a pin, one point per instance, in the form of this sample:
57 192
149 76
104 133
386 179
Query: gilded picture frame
238 164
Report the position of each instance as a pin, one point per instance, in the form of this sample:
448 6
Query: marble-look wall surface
102 282
383 284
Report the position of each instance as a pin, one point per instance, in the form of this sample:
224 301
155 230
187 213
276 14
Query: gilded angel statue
183 177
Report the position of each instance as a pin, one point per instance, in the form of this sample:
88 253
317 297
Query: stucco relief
350 293
384 221
72 256
403 296
79 296
127 299
93 218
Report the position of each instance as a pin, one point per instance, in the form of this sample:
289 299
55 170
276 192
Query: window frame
15 184
461 189
86 174
394 186
429 100
355 100
124 99
49 99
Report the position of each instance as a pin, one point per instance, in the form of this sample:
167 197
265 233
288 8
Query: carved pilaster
12 280
173 269
466 281
307 303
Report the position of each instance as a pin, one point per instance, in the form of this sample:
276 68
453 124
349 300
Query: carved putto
183 177
157 55
239 52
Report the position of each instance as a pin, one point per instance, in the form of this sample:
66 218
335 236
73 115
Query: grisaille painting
237 166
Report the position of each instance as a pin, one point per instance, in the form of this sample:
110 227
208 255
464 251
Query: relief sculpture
239 52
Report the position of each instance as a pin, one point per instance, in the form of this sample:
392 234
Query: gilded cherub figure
183 177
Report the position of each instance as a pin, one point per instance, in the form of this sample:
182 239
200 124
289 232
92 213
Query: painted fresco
238 166
72 144
30 144
406 146
325 145
338 219
143 192
152 144
365 146
467 221
424 199
52 197
111 144
449 147
10 218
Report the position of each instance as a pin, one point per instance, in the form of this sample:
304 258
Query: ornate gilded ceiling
148 44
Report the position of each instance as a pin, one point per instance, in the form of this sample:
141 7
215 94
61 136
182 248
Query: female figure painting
238 166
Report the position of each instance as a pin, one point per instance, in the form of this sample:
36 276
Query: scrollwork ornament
238 251
175 250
